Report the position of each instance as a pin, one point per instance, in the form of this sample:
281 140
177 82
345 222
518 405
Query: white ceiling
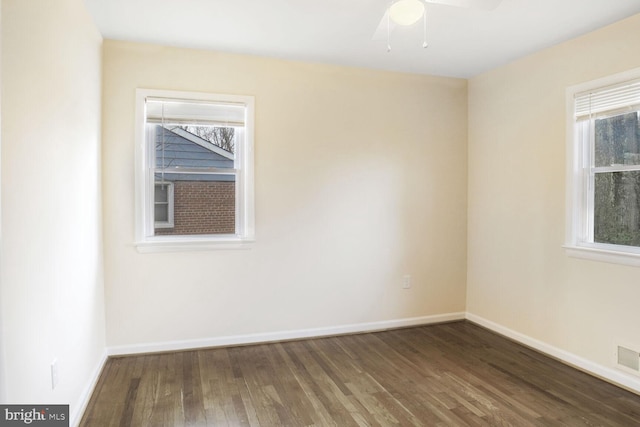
462 42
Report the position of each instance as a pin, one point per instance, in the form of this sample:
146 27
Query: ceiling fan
409 12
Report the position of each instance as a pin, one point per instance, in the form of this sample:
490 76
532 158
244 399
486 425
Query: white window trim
577 215
169 222
245 226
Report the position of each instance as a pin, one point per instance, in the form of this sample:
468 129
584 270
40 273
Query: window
194 164
604 170
163 205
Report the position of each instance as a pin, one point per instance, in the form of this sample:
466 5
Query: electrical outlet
54 374
406 281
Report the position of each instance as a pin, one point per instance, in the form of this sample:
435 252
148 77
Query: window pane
161 212
617 208
188 146
202 204
161 193
617 140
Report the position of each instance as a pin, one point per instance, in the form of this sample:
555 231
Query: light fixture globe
406 12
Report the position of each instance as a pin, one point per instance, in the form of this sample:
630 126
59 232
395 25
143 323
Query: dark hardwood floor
454 374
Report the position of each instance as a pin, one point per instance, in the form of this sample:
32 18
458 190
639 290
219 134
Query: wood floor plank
455 374
288 389
319 384
252 362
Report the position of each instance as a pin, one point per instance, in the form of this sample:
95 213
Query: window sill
604 253
193 244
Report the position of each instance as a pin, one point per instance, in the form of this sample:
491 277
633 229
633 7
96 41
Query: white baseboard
282 335
77 411
611 375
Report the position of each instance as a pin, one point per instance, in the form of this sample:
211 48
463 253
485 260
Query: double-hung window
604 170
163 204
194 170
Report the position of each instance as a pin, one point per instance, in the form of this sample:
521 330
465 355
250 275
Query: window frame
580 176
145 184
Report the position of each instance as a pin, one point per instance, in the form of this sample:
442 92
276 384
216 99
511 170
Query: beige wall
360 179
51 280
518 274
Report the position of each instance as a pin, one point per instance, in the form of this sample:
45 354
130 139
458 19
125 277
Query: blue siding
180 152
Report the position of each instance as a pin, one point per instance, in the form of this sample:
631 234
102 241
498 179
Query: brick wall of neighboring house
201 207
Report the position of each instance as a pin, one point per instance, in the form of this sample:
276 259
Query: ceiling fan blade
381 31
469 4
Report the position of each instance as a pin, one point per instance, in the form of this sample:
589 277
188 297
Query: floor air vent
630 359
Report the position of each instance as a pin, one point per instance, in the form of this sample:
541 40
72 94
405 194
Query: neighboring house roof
178 149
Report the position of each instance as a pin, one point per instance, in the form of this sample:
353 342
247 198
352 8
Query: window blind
173 111
608 101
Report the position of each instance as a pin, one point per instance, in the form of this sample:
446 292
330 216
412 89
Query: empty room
320 213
